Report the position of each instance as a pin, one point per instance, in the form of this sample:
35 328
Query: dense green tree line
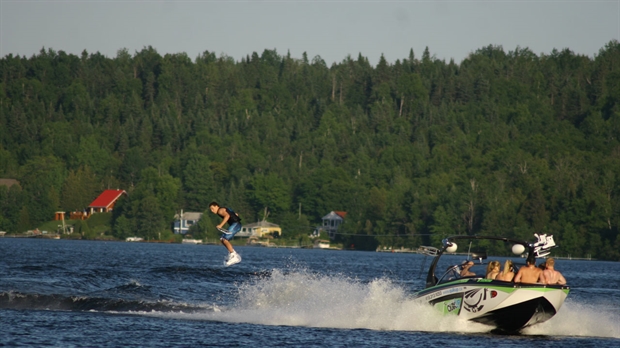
504 143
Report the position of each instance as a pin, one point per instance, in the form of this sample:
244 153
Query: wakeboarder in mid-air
234 226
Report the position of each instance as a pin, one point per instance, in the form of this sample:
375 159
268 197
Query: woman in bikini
507 274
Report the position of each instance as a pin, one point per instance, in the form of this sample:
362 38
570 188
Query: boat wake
580 320
303 299
25 301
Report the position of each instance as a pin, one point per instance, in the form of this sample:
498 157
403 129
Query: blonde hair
550 262
507 267
492 265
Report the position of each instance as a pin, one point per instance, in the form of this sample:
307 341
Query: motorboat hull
505 306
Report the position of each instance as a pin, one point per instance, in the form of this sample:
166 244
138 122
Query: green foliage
269 191
124 227
149 218
79 189
198 182
42 181
293 225
442 225
99 219
81 228
11 209
503 143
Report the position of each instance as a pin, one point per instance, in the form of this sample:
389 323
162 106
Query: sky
333 30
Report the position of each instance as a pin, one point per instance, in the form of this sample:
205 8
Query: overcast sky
330 29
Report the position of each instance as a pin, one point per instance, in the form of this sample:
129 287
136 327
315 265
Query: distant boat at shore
321 244
191 241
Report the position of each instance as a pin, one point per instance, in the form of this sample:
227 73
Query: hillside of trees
504 143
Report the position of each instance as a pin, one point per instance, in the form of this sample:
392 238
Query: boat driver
465 272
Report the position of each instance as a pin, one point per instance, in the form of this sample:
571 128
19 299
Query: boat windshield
452 273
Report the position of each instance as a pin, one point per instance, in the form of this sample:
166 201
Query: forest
502 144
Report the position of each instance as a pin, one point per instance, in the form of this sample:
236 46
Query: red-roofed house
106 201
331 222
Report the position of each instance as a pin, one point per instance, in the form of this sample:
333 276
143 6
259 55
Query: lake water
110 294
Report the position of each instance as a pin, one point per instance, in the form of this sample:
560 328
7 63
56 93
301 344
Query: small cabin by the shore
183 221
331 222
106 201
260 229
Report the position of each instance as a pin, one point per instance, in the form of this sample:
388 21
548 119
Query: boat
321 244
191 241
506 307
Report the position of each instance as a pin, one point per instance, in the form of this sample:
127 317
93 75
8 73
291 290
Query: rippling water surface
111 294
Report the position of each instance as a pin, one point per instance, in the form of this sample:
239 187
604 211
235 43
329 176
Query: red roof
342 214
107 198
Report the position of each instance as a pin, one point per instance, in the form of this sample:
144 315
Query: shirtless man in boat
530 273
465 272
550 275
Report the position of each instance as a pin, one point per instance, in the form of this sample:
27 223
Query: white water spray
300 298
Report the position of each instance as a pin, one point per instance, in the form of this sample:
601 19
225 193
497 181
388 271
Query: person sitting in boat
465 272
550 275
530 273
507 274
492 269
543 266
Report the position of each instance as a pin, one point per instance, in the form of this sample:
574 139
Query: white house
331 222
183 221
